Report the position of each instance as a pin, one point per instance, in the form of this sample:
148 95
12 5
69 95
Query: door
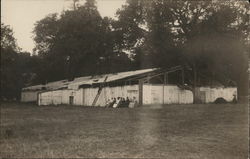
71 100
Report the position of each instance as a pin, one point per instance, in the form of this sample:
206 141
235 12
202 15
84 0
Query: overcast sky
21 15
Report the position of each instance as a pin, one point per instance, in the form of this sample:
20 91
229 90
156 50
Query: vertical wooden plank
140 91
83 96
39 99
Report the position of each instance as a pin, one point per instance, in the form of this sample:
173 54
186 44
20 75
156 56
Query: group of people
121 102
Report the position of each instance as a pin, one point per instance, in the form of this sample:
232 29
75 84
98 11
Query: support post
167 78
183 78
164 83
163 92
195 83
140 92
148 79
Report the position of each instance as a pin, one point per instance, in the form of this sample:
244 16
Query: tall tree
7 38
8 57
15 72
218 49
130 31
76 43
181 32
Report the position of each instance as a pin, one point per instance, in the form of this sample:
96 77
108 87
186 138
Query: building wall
152 94
29 96
108 93
60 97
50 97
166 94
209 95
86 96
89 95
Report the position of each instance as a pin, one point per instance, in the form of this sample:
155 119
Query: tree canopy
16 66
78 42
209 38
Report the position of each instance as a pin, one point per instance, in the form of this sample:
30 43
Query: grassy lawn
171 131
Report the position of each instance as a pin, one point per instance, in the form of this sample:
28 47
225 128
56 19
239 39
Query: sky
21 15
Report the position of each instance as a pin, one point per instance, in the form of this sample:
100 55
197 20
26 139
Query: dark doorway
71 100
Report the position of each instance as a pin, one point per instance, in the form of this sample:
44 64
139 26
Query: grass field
171 131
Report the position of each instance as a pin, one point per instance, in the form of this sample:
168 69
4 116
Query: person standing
116 102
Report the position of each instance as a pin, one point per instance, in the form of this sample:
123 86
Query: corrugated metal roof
49 86
57 85
78 79
122 75
110 78
36 87
89 80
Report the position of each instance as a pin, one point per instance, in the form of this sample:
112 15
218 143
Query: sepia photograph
130 79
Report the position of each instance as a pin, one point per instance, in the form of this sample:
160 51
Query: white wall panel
211 94
29 96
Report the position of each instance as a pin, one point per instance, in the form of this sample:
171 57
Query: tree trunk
194 83
242 88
